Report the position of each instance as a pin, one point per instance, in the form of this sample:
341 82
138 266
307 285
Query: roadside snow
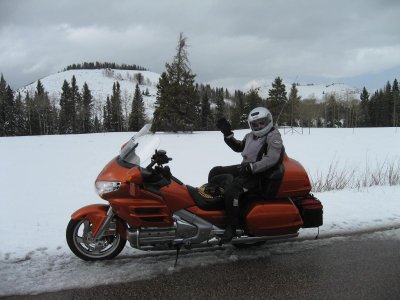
43 179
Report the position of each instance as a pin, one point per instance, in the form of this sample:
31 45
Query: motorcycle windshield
139 149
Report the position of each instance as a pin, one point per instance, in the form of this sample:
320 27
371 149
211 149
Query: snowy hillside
100 83
310 90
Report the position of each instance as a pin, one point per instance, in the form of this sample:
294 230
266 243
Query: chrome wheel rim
88 246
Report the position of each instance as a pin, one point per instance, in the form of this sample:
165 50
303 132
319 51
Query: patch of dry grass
338 178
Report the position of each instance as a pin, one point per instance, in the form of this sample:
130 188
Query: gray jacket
263 153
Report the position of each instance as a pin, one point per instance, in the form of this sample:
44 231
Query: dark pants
234 189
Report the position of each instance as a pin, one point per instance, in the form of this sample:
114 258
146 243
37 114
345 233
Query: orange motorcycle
153 210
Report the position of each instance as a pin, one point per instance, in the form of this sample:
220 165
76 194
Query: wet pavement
356 267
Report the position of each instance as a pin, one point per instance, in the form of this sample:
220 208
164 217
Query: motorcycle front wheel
82 243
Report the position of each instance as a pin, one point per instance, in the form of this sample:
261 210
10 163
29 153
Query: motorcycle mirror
161 152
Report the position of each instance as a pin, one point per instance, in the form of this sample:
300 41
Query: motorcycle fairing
177 196
143 212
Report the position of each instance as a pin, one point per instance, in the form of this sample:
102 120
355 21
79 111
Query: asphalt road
357 267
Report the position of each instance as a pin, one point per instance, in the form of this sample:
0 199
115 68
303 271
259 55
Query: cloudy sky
232 43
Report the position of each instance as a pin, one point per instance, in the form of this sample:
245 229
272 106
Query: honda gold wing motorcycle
153 210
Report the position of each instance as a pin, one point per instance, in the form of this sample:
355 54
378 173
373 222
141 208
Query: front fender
99 210
96 214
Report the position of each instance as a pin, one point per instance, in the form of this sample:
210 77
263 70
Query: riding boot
232 214
228 234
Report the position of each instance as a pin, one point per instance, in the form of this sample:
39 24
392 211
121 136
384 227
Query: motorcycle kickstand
178 249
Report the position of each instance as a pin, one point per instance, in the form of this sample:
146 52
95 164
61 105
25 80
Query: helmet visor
260 124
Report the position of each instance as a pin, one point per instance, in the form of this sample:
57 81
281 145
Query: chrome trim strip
253 239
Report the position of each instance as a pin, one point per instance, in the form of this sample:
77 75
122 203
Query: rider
261 149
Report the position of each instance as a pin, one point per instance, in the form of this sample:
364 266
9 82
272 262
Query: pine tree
137 117
19 112
239 115
396 103
76 107
387 106
86 109
33 115
117 121
206 120
227 94
28 113
364 114
107 115
9 112
65 124
293 105
163 109
373 108
40 111
3 86
277 98
177 107
253 100
220 104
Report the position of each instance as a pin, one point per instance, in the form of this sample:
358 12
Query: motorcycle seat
204 200
215 201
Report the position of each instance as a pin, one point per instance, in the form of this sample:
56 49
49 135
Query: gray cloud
231 42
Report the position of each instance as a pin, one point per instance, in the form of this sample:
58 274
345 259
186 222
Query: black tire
80 245
245 246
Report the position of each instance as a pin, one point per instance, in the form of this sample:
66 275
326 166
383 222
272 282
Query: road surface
357 267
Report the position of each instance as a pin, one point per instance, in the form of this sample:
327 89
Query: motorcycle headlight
104 187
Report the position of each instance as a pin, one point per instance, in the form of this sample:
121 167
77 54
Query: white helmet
260 121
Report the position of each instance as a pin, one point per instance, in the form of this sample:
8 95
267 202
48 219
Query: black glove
245 169
224 126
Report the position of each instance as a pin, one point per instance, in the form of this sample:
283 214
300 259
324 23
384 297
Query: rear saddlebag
310 209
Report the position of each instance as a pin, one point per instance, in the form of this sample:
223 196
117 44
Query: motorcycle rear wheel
82 244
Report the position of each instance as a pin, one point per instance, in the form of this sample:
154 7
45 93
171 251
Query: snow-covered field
43 179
